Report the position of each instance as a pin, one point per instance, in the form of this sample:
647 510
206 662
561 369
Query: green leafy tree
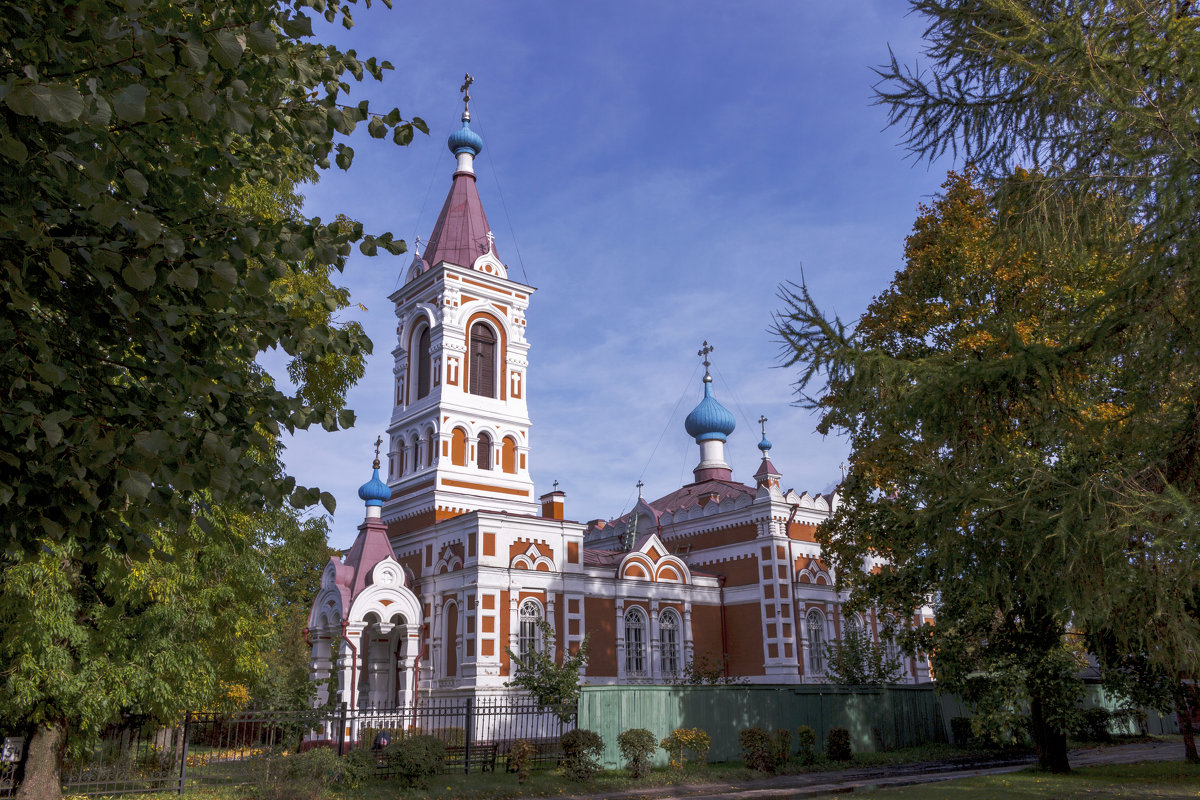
554 686
1102 97
707 669
858 661
150 251
961 446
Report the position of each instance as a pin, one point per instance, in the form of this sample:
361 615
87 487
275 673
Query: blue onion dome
765 445
710 419
465 140
375 491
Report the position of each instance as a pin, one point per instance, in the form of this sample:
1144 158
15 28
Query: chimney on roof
553 504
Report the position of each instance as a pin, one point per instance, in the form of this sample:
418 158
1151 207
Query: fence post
187 725
341 737
469 734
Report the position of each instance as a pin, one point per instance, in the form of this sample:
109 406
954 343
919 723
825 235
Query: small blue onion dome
709 420
765 445
374 491
465 140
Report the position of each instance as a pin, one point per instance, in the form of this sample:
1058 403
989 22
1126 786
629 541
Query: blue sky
657 170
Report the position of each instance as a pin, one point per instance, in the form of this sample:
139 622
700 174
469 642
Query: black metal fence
214 748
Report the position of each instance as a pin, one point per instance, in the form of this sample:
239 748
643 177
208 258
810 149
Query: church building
459 559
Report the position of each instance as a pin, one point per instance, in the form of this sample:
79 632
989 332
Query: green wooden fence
878 718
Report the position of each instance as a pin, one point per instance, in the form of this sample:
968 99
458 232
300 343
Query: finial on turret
466 90
640 485
378 441
703 353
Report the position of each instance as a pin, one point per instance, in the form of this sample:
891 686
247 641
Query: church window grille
530 616
484 453
816 642
483 361
668 639
423 366
635 643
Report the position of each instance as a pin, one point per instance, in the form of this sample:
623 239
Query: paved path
813 784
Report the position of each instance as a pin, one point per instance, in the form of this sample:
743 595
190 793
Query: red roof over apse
460 234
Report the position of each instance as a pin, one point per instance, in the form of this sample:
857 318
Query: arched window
430 444
530 616
414 450
483 452
816 642
423 363
853 627
891 648
508 455
483 360
635 643
668 643
458 447
400 458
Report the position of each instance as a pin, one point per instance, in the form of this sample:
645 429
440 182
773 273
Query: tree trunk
1051 744
1183 713
43 764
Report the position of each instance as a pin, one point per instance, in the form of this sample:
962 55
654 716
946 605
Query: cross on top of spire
466 90
639 487
378 441
556 486
762 421
703 353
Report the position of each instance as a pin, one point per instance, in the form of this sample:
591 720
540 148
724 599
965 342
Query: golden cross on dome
703 352
378 441
466 90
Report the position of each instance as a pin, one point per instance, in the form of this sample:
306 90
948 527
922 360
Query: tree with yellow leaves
962 442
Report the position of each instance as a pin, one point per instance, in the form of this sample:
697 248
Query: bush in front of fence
304 776
637 748
520 759
415 758
806 744
782 747
687 740
837 745
757 753
581 753
961 731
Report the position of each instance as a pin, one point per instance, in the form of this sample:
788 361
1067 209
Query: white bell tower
459 433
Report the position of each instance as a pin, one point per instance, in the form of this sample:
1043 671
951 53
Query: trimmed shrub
687 740
961 731
782 740
637 746
520 759
757 752
416 758
806 744
1093 725
837 745
581 753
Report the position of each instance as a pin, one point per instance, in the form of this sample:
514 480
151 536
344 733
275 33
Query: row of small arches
419 454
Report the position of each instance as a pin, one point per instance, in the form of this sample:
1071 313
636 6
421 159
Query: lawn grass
1152 779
